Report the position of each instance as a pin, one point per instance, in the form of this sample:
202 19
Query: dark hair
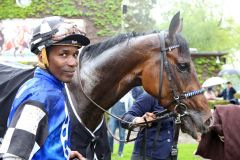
229 82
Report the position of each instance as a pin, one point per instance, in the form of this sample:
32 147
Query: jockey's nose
72 61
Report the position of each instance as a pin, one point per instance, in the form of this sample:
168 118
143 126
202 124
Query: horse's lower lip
190 129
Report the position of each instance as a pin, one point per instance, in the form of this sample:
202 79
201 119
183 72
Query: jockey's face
63 62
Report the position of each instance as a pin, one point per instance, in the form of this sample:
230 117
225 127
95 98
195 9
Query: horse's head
161 63
172 75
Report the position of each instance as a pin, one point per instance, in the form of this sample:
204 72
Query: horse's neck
104 91
116 68
105 79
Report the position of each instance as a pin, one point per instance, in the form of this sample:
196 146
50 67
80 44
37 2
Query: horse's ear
175 26
180 26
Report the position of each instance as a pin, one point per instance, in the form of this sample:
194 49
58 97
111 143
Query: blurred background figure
118 109
228 93
209 94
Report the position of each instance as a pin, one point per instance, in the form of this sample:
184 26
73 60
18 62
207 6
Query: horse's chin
193 124
187 126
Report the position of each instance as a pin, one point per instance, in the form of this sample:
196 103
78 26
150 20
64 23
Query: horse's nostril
209 122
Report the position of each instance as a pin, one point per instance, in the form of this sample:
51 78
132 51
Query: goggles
66 29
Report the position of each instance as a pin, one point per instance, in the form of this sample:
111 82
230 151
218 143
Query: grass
186 152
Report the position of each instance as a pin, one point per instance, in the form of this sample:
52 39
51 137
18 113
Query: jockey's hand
147 116
75 155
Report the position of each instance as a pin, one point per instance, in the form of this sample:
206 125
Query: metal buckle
174 151
178 119
176 98
181 105
181 110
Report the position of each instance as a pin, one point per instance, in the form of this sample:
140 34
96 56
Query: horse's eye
183 67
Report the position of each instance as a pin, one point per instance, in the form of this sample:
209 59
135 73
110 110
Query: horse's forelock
184 48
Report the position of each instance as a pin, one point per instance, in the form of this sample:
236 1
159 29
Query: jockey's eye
183 67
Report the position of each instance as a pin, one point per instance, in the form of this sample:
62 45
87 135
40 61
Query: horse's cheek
150 81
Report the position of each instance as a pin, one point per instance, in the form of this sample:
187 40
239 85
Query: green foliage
138 17
106 14
237 95
212 103
204 26
9 9
206 67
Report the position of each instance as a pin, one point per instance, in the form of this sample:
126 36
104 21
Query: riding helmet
56 31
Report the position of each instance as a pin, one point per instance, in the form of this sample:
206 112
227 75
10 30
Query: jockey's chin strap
44 64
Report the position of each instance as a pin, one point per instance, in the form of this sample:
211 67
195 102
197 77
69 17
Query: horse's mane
92 51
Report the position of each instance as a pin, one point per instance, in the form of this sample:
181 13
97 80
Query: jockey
39 124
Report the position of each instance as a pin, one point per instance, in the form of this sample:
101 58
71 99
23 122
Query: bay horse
108 70
160 62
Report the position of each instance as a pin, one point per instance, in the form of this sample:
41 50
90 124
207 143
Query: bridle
165 65
180 110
